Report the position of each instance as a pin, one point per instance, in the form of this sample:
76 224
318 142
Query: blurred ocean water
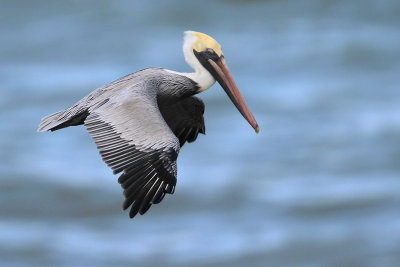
319 186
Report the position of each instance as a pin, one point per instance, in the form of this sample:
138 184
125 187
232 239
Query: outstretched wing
133 138
185 118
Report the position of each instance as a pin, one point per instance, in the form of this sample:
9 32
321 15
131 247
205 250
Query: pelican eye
209 53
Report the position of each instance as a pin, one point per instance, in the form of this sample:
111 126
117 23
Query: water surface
318 186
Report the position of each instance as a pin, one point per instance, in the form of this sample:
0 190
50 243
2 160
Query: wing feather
133 138
185 118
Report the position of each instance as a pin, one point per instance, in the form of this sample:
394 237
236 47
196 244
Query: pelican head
204 55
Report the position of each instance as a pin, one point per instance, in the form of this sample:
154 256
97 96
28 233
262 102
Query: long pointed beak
225 79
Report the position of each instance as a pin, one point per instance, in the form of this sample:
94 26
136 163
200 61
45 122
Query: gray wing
133 138
76 114
185 118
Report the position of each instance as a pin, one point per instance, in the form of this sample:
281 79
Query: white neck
200 75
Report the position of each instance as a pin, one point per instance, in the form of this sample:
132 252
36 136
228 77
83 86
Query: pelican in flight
140 121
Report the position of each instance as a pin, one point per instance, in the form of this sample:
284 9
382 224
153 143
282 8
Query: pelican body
140 121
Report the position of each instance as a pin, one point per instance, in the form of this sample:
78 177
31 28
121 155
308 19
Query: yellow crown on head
203 41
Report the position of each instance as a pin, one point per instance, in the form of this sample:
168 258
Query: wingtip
40 130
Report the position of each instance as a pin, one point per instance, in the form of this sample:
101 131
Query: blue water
319 186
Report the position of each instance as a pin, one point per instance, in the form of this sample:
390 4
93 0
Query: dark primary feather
147 175
184 117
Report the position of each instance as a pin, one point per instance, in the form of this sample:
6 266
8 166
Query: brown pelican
139 122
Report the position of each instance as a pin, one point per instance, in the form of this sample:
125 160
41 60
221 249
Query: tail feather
50 121
74 115
61 120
